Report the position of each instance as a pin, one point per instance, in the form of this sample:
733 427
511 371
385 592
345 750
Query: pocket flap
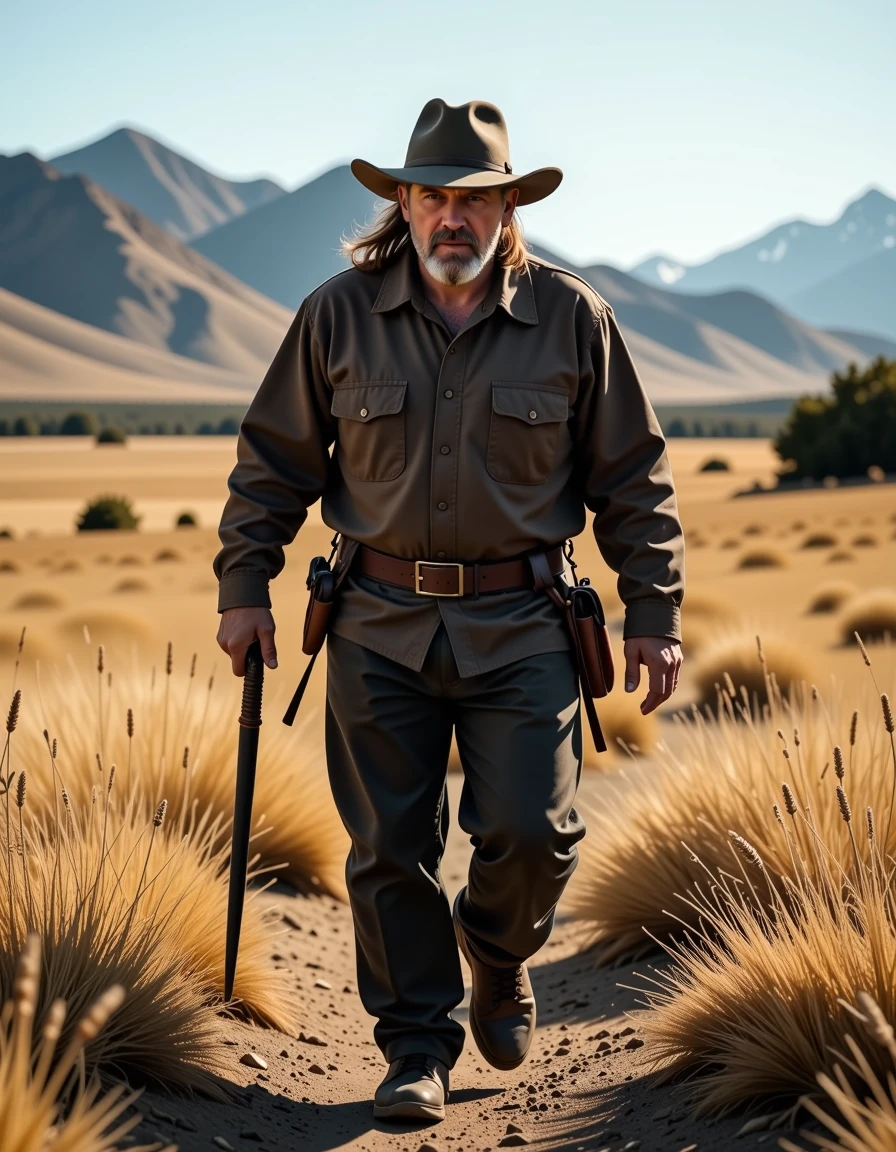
525 402
365 401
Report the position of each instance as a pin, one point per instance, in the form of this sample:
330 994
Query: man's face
455 231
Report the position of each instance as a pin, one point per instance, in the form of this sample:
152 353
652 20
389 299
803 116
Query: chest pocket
526 424
370 436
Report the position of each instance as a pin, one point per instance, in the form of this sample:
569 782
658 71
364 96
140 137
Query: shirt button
441 555
451 350
448 393
485 307
444 449
442 505
532 414
363 411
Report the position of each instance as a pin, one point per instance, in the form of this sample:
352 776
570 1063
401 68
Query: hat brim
384 181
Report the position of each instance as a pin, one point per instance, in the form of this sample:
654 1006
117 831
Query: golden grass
110 626
38 645
8 566
763 558
859 1125
626 729
735 652
132 584
841 556
167 555
297 828
871 613
864 540
45 1105
831 596
725 771
39 599
730 542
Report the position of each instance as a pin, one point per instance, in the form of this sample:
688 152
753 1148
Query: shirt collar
511 289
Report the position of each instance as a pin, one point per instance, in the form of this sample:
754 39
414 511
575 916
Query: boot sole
502 1065
408 1110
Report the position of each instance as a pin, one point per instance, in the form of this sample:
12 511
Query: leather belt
444 578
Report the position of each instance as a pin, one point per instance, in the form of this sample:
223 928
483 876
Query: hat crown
473 134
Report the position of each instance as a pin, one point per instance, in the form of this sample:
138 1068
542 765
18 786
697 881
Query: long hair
375 247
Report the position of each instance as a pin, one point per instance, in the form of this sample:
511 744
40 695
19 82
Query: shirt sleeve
282 468
627 483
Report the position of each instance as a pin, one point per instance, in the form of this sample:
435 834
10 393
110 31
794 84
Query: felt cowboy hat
463 146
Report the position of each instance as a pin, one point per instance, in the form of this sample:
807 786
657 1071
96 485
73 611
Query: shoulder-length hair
375 247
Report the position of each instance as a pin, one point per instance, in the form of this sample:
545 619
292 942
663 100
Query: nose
453 216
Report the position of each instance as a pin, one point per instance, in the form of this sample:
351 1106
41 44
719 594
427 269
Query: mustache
460 235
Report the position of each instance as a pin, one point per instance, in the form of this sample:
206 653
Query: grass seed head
130 723
789 802
869 822
746 849
111 778
863 649
186 759
838 762
876 1024
845 810
100 654
20 790
777 812
160 814
852 727
12 717
888 712
169 658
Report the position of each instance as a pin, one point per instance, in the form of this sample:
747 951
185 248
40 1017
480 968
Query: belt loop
475 580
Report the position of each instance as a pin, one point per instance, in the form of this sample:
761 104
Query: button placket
446 434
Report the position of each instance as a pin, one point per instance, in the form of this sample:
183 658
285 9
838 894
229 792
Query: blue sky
686 126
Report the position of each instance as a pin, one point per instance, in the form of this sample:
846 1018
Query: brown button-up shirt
477 446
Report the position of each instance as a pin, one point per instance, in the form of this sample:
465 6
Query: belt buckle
418 576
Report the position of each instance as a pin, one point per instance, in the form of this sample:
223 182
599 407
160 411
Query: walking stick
247 756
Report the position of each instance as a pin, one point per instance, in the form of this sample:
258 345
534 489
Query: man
479 401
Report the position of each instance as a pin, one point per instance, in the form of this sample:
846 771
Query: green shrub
107 512
186 520
846 433
78 424
25 426
112 435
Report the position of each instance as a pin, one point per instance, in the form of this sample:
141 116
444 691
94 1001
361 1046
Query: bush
186 520
78 424
715 464
25 426
107 512
229 426
111 435
846 433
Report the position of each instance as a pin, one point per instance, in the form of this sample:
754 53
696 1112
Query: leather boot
414 1088
502 1006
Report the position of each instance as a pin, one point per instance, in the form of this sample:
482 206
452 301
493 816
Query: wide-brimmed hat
462 146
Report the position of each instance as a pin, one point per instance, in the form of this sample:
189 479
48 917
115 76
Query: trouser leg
519 737
388 737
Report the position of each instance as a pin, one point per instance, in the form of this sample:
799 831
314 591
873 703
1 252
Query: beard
455 267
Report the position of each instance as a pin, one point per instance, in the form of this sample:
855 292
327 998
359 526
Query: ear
511 195
404 196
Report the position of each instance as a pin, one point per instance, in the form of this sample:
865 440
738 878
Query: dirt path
583 1087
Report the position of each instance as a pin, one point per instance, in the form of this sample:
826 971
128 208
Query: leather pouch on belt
321 584
594 647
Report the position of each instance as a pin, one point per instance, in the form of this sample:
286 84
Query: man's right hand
237 630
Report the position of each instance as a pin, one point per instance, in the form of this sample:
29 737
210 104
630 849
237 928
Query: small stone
514 1140
284 1053
187 1125
627 1031
427 1148
158 1114
322 984
222 1143
249 1134
561 1051
663 1114
635 1043
317 1070
253 1060
513 1128
604 1046
631 1146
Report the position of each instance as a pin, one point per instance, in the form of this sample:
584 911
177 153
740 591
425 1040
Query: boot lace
507 984
416 1061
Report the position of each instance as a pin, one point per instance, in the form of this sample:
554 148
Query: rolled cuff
652 618
243 588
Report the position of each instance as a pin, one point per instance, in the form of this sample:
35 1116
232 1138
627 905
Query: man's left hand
662 658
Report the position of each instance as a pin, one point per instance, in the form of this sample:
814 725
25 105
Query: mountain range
128 270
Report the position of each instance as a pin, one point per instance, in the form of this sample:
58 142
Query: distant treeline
761 419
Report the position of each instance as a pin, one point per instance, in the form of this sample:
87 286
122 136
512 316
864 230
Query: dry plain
134 592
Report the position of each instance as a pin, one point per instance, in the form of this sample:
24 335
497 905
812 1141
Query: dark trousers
388 738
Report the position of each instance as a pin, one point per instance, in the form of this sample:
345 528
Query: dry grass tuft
627 731
8 566
871 613
864 540
730 542
763 558
129 560
38 647
109 626
754 529
735 653
819 540
132 584
830 597
45 1106
39 599
67 566
841 556
298 830
167 555
722 769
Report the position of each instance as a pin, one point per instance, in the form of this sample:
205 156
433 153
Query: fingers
632 667
659 675
268 648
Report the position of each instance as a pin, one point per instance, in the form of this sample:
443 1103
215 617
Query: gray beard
455 270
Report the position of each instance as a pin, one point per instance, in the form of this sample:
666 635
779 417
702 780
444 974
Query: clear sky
682 126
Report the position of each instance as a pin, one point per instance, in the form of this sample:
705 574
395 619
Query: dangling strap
347 548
